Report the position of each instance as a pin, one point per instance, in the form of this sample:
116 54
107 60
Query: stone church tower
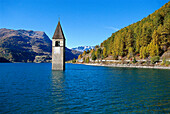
58 49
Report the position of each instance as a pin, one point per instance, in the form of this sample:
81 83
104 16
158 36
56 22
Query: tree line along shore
154 62
146 42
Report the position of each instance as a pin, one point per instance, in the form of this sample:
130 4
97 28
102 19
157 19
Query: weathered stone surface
166 54
58 49
58 58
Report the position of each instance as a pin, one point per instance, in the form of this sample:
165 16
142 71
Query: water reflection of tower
57 90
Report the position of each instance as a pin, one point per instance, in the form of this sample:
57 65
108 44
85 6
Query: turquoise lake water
34 88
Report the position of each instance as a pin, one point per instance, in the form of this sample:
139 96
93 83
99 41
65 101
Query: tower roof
58 34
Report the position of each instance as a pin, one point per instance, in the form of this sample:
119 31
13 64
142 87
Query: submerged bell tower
58 49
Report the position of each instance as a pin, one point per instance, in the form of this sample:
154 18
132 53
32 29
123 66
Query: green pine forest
146 38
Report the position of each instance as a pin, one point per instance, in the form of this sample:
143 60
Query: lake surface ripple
34 88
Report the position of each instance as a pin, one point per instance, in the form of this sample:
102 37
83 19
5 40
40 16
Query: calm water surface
34 88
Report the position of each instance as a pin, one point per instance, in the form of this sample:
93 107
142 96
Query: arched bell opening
57 43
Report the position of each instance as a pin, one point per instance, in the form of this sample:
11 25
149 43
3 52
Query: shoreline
127 66
122 65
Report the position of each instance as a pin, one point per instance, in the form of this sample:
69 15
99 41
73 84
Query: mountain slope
146 38
25 45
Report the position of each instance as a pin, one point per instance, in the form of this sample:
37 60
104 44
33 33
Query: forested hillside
146 38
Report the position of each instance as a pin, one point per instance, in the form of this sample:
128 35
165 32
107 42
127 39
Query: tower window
57 43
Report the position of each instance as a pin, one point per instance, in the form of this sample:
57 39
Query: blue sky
84 22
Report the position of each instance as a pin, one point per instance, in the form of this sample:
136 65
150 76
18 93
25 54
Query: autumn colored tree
80 56
104 52
74 60
87 51
129 39
91 51
93 56
153 49
87 60
97 46
143 52
148 37
84 60
130 52
84 53
98 53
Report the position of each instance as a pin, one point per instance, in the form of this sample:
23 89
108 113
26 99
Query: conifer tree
149 37
80 56
98 53
130 52
87 60
104 52
129 39
141 52
74 60
144 53
87 51
157 50
84 53
137 47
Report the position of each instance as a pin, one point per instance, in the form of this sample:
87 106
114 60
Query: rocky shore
128 66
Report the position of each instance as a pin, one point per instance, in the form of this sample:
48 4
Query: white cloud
112 28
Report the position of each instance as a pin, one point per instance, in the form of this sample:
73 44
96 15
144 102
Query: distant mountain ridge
25 45
83 48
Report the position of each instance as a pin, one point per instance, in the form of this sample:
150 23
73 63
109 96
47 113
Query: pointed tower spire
58 49
58 34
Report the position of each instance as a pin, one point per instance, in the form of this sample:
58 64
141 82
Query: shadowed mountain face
25 45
